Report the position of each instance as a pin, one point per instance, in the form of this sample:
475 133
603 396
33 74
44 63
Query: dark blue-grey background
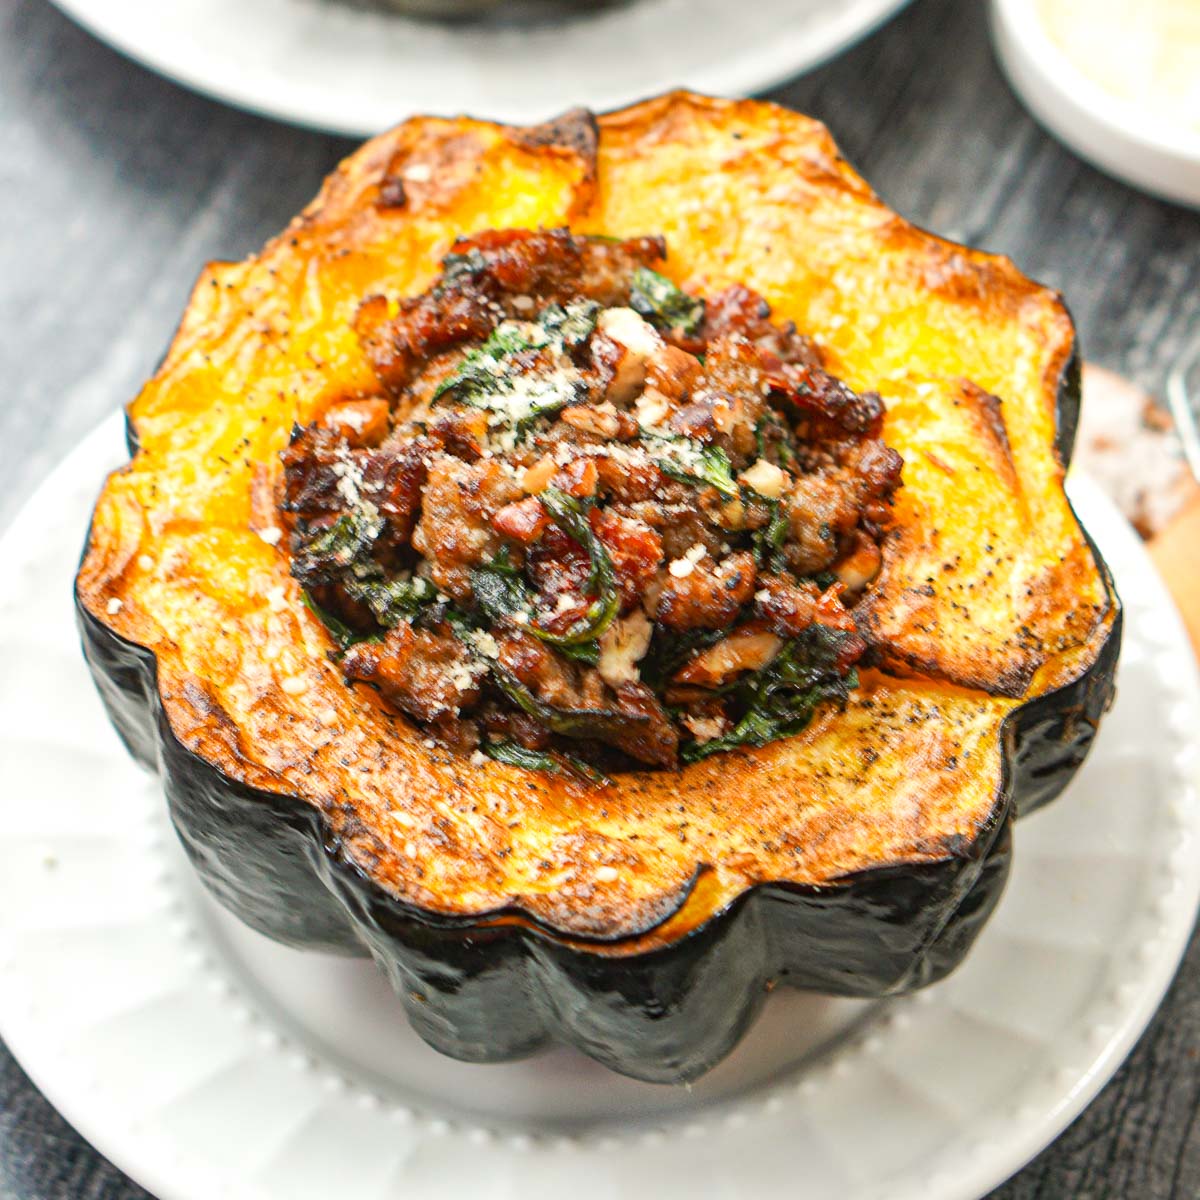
115 186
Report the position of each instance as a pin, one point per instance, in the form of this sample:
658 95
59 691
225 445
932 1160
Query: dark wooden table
117 186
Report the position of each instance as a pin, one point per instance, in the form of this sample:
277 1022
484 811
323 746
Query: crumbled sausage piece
787 608
392 479
635 549
426 674
312 470
359 422
739 310
654 740
707 598
522 521
455 531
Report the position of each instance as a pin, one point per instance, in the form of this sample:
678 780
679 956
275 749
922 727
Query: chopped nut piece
766 479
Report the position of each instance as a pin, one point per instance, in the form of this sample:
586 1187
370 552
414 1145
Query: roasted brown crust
574 133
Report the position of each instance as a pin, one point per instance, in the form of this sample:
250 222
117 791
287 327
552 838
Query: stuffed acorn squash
604 570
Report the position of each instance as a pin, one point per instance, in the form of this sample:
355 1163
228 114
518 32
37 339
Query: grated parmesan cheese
463 676
114 606
485 643
681 568
349 477
651 407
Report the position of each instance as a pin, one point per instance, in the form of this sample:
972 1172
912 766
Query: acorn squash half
641 921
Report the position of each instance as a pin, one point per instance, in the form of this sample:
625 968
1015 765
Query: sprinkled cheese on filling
465 675
485 643
562 542
349 478
683 567
527 395
355 418
651 408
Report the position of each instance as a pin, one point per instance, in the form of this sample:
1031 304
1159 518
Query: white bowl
1116 136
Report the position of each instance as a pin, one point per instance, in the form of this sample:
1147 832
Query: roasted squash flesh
993 623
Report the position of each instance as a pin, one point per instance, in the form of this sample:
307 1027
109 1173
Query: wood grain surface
1176 553
117 186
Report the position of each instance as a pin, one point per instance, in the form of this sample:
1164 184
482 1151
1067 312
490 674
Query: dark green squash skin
486 992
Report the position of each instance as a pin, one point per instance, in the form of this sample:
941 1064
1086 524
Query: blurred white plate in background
353 70
1129 128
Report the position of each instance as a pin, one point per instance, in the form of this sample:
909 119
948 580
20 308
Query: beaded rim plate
208 1062
349 67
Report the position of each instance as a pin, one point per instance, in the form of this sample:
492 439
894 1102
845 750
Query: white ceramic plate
210 1063
332 65
1132 143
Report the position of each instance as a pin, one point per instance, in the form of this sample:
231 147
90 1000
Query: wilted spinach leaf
500 590
584 652
664 304
343 636
779 700
669 651
570 327
771 432
327 555
571 517
538 760
390 600
707 467
600 723
483 371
